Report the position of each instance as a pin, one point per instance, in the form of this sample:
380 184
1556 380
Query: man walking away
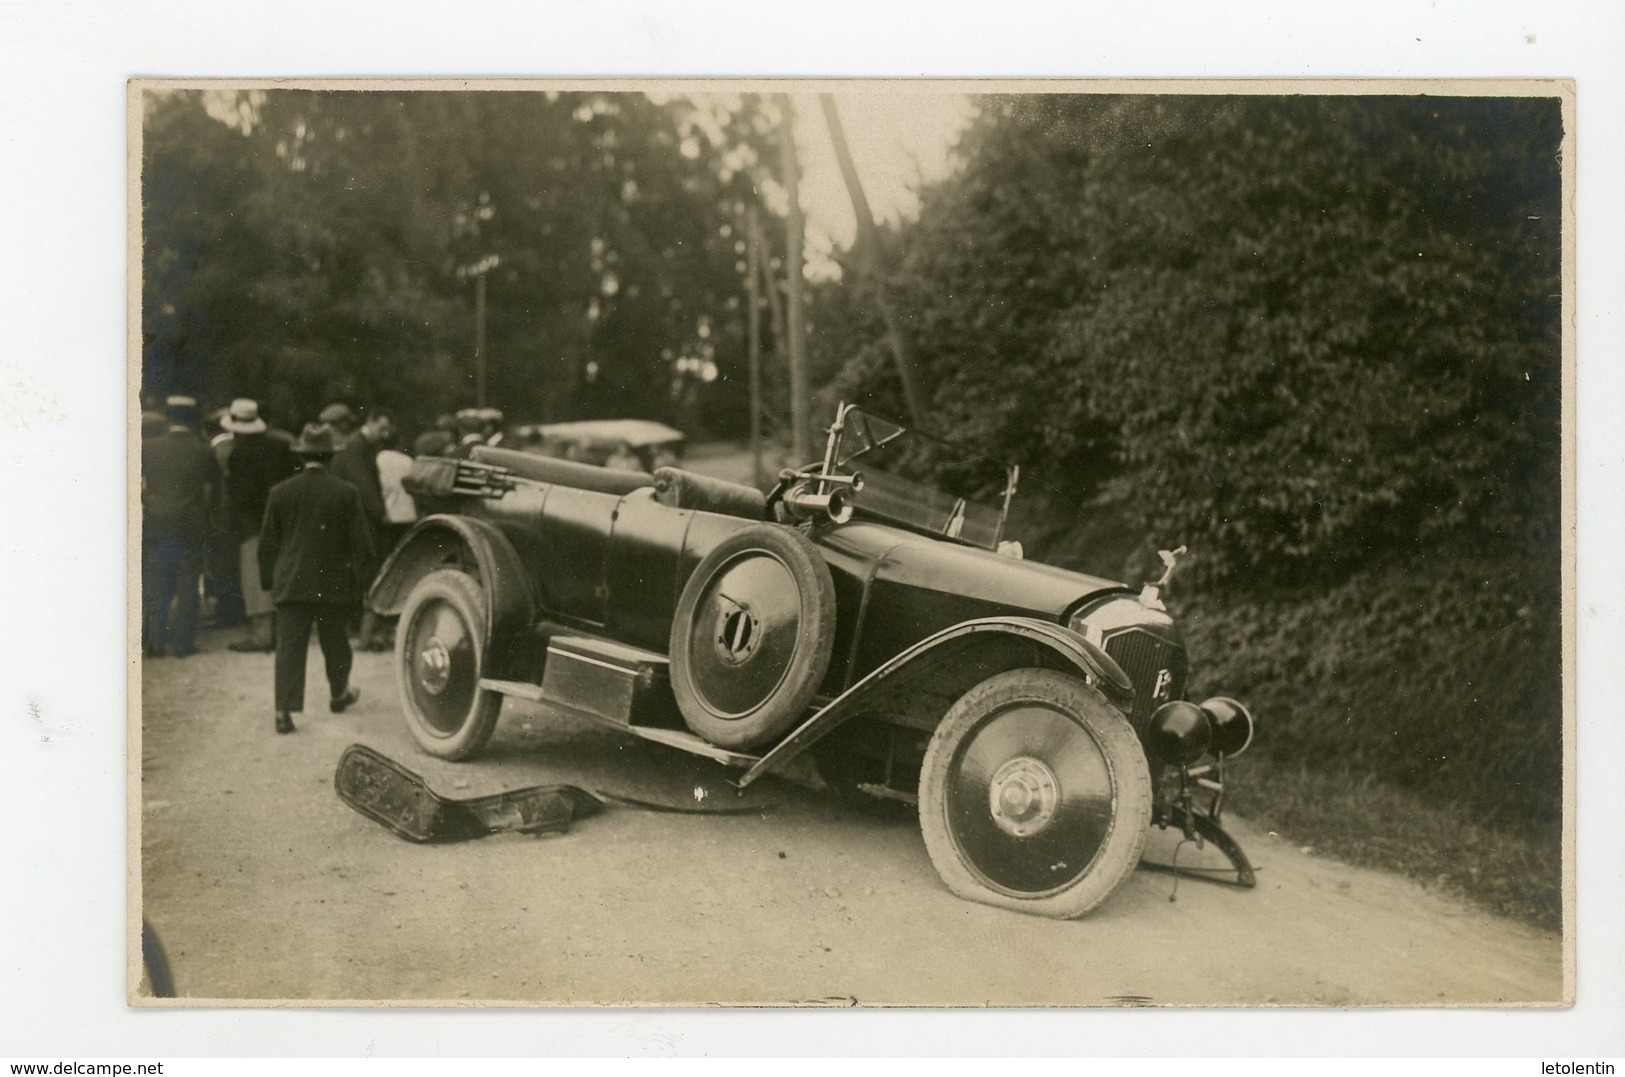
258 462
314 553
178 479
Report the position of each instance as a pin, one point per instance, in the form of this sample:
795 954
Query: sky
898 143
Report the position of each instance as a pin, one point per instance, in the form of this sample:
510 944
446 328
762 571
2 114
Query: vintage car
869 611
623 443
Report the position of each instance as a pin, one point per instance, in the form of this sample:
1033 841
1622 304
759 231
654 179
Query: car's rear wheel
439 657
752 636
1035 795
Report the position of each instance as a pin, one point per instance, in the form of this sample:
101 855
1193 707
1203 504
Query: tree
1304 329
305 246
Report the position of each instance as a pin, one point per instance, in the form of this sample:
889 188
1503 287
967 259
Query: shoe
284 722
154 650
185 652
338 703
243 647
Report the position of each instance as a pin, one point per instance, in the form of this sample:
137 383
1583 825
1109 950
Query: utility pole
467 222
800 385
753 243
775 308
869 254
775 303
479 340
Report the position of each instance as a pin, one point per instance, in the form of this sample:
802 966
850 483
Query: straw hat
243 417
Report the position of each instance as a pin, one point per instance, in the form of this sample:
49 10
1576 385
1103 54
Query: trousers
170 568
293 623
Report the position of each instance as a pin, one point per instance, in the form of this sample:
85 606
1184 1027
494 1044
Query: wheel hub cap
434 666
1022 796
1030 800
738 634
746 626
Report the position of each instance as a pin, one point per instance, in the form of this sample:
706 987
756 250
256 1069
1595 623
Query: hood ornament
1151 593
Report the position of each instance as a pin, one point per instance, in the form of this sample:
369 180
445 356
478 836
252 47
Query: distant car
870 611
622 444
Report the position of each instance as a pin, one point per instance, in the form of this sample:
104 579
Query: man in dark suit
178 481
315 552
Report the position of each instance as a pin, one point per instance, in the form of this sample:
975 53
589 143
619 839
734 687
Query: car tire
1035 795
752 636
440 653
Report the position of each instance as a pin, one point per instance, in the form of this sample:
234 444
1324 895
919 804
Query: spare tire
751 639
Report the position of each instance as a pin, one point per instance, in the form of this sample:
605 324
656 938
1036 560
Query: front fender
918 685
444 540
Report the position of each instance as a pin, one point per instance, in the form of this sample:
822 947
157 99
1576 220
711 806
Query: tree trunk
800 387
869 255
753 296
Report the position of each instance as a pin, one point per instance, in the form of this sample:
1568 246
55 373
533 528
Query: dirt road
262 884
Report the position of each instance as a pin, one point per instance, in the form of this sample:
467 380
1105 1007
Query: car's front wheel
439 656
1035 795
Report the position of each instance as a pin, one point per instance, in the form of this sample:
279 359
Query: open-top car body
870 611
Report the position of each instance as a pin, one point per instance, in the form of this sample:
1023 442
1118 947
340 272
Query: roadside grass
1507 869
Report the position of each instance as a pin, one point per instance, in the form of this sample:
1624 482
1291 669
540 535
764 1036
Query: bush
1310 332
1441 676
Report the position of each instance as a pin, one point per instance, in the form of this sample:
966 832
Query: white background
63 398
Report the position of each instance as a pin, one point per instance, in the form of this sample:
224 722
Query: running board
674 738
517 689
688 742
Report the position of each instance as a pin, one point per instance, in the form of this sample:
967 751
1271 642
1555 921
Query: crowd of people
281 534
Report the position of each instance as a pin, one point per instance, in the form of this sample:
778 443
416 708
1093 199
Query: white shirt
399 508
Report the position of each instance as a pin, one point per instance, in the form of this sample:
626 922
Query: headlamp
1180 733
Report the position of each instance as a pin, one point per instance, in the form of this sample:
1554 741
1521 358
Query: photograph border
1563 90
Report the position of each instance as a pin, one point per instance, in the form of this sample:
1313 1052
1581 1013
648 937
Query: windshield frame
836 467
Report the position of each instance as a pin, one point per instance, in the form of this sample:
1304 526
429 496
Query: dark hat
315 440
338 415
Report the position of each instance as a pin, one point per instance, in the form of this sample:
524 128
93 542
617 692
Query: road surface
263 885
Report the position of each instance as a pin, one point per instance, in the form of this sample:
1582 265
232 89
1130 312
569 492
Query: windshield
922 482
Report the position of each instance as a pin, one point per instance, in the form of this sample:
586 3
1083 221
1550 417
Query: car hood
904 558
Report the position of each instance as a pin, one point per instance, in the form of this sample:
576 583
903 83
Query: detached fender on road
917 686
444 540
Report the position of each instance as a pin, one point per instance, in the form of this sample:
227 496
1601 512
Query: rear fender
916 688
445 541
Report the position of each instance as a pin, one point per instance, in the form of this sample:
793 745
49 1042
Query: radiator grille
1143 657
